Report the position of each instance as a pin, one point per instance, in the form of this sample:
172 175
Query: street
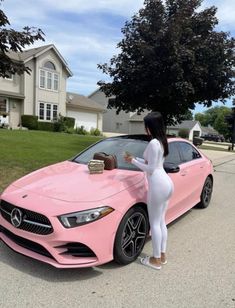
199 273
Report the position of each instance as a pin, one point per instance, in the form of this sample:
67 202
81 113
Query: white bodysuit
160 189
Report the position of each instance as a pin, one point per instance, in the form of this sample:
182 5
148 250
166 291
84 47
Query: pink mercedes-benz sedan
64 216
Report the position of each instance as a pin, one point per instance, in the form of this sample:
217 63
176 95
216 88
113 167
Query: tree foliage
216 118
171 57
12 40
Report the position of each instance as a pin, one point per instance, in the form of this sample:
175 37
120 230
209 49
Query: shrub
69 122
95 132
184 133
29 121
81 130
69 130
59 124
47 126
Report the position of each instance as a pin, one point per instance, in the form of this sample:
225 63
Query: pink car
64 216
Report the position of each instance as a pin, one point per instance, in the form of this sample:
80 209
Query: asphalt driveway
199 273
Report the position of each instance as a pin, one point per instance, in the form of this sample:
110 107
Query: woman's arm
141 160
153 154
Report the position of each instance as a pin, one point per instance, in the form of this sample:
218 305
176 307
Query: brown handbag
110 161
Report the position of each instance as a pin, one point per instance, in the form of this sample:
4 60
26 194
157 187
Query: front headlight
84 217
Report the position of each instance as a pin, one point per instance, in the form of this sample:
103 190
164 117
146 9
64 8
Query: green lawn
24 151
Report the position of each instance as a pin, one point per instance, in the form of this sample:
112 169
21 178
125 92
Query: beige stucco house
42 93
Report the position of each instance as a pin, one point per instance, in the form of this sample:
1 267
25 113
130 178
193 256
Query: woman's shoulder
155 141
155 144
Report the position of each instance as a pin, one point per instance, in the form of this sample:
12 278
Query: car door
188 181
178 196
191 174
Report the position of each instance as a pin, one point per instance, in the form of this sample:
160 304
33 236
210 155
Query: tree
187 116
12 40
202 118
170 58
216 117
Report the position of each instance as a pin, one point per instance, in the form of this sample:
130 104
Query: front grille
77 250
32 246
31 221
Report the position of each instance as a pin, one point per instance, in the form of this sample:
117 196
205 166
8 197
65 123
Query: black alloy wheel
206 193
131 236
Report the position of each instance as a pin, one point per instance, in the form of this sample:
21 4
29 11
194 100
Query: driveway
199 273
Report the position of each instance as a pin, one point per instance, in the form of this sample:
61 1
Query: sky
86 32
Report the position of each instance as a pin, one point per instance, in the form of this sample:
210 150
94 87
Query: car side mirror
171 168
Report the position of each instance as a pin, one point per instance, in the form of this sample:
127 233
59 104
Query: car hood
69 181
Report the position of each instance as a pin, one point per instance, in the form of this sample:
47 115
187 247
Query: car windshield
114 146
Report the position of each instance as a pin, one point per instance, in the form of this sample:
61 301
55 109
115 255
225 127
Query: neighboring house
209 130
86 112
42 93
194 128
124 122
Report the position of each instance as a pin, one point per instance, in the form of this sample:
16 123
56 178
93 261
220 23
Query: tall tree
171 57
216 117
12 40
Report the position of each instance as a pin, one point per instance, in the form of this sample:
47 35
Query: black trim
25 243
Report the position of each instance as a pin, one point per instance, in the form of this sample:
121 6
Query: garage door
86 119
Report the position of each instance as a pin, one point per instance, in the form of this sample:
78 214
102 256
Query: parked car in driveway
64 216
213 137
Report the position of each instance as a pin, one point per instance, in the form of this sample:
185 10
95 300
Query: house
209 130
193 127
132 123
42 93
122 123
87 113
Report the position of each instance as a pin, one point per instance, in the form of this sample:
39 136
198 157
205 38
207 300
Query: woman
160 186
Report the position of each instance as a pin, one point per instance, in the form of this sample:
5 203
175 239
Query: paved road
200 271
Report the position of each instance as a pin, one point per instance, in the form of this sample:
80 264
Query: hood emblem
16 217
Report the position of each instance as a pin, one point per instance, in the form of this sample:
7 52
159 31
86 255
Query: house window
3 106
55 112
47 111
42 79
41 111
49 65
49 80
56 82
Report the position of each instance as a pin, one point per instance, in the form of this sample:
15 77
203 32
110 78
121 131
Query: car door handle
184 173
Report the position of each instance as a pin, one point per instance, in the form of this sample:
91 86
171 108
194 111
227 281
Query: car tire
206 193
131 235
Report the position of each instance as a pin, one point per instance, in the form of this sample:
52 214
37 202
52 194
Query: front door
4 112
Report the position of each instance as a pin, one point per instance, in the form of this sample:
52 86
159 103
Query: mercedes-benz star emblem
16 217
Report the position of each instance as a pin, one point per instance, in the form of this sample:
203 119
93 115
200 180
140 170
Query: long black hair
155 124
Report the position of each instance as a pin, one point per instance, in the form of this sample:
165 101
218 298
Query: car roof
144 137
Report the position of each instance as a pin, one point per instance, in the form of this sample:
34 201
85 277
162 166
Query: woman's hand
128 157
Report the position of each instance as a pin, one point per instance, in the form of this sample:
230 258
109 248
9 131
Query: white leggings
158 227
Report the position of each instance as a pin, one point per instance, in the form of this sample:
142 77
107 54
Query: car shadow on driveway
42 270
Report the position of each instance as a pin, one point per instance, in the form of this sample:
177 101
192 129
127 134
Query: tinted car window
188 152
117 147
173 157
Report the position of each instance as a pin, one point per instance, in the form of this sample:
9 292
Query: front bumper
84 246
